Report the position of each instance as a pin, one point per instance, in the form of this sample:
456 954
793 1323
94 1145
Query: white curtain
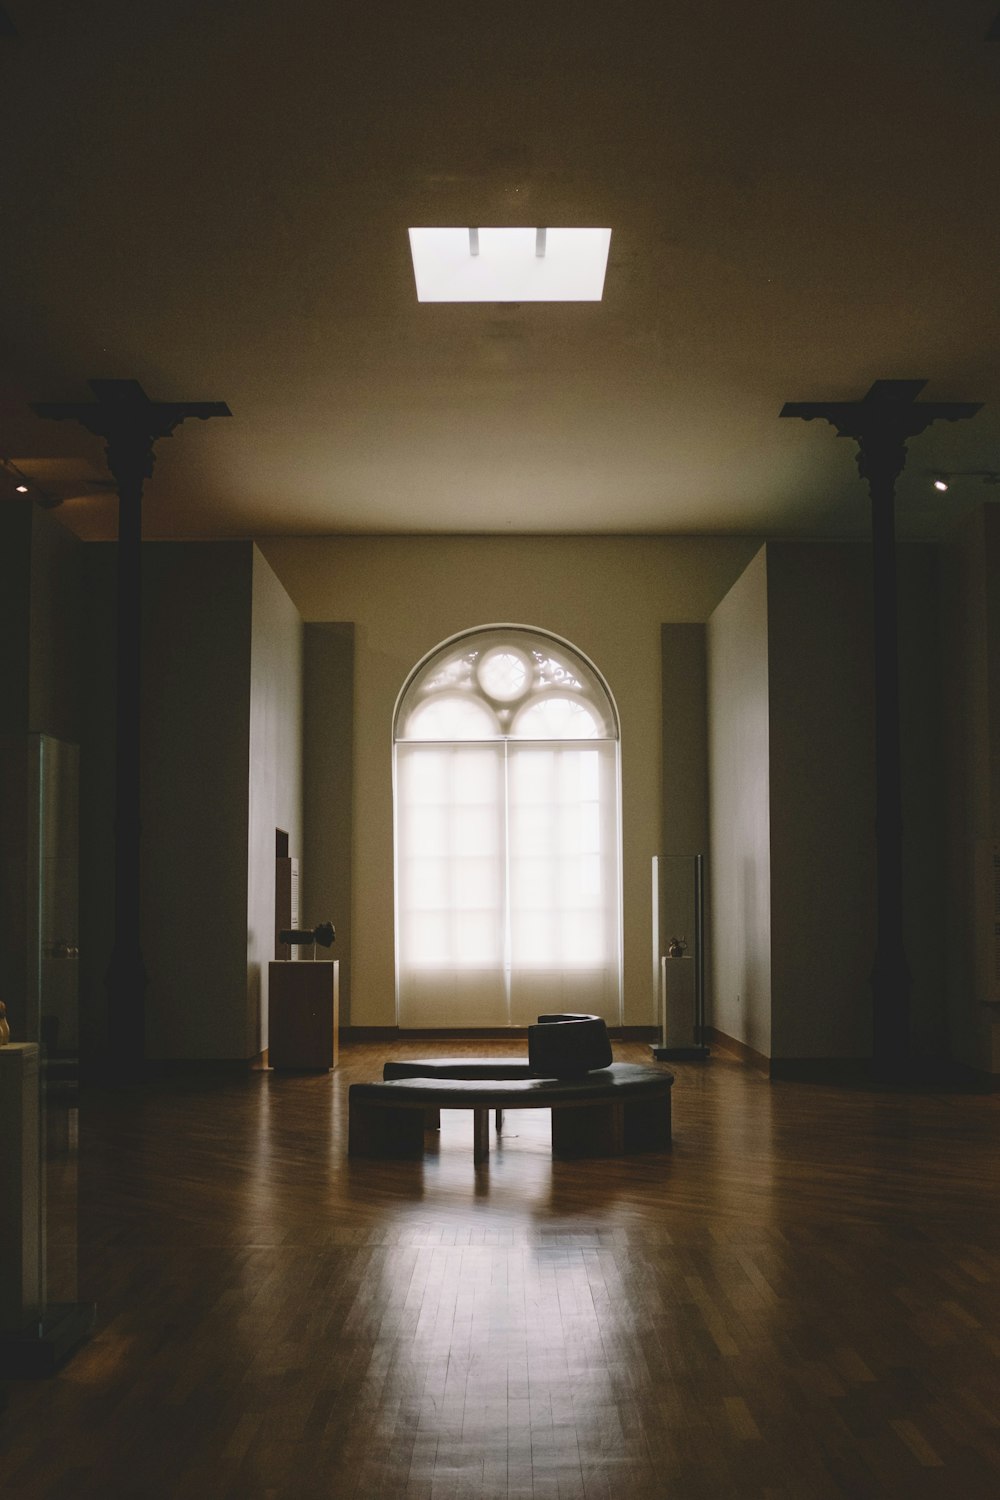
507 881
450 884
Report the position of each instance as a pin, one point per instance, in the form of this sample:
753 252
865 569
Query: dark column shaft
891 975
131 426
881 424
126 981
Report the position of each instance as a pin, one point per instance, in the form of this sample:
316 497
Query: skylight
509 265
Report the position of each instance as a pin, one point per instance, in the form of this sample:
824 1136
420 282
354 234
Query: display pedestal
679 1054
673 1049
678 917
34 1339
304 1014
46 1344
21 1293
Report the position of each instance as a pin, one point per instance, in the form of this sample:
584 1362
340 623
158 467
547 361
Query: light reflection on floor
784 1304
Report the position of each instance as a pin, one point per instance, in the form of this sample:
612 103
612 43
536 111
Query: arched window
508 883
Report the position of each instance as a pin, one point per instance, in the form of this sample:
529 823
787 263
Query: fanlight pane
556 719
450 718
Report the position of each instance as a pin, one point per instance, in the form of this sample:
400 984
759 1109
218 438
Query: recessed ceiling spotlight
943 478
509 265
22 485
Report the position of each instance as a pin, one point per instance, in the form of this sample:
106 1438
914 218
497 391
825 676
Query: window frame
561 671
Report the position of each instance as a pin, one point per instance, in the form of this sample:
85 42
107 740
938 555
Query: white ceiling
214 199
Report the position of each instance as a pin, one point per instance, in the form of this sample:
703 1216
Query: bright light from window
504 674
450 718
509 265
507 834
556 719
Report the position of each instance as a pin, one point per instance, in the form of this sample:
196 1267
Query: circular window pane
504 674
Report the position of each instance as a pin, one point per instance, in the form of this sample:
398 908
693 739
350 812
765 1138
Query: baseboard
855 1071
431 1033
203 1067
469 1033
737 1049
860 1072
844 1070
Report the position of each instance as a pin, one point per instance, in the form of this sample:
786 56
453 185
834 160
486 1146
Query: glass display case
678 895
42 1318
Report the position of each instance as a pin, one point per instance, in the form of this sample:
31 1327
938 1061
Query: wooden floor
801 1300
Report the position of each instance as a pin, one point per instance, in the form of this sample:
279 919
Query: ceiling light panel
509 265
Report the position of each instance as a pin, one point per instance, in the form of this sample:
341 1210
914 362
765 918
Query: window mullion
507 958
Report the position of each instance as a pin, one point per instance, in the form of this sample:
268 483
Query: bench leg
499 1122
481 1135
432 1119
375 1131
589 1130
647 1124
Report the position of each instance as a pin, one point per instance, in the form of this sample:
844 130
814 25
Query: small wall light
942 477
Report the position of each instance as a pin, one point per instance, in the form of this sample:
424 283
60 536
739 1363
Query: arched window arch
507 828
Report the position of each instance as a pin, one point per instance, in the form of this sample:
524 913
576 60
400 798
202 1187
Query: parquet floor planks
801 1300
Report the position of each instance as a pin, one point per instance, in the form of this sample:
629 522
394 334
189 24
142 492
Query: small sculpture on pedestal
300 937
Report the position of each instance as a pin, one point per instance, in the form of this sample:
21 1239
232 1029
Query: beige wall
15 615
791 734
196 617
923 671
822 807
739 974
971 610
684 732
608 596
328 778
275 776
221 768
54 680
39 623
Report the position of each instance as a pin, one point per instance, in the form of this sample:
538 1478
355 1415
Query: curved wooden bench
458 1067
616 1110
